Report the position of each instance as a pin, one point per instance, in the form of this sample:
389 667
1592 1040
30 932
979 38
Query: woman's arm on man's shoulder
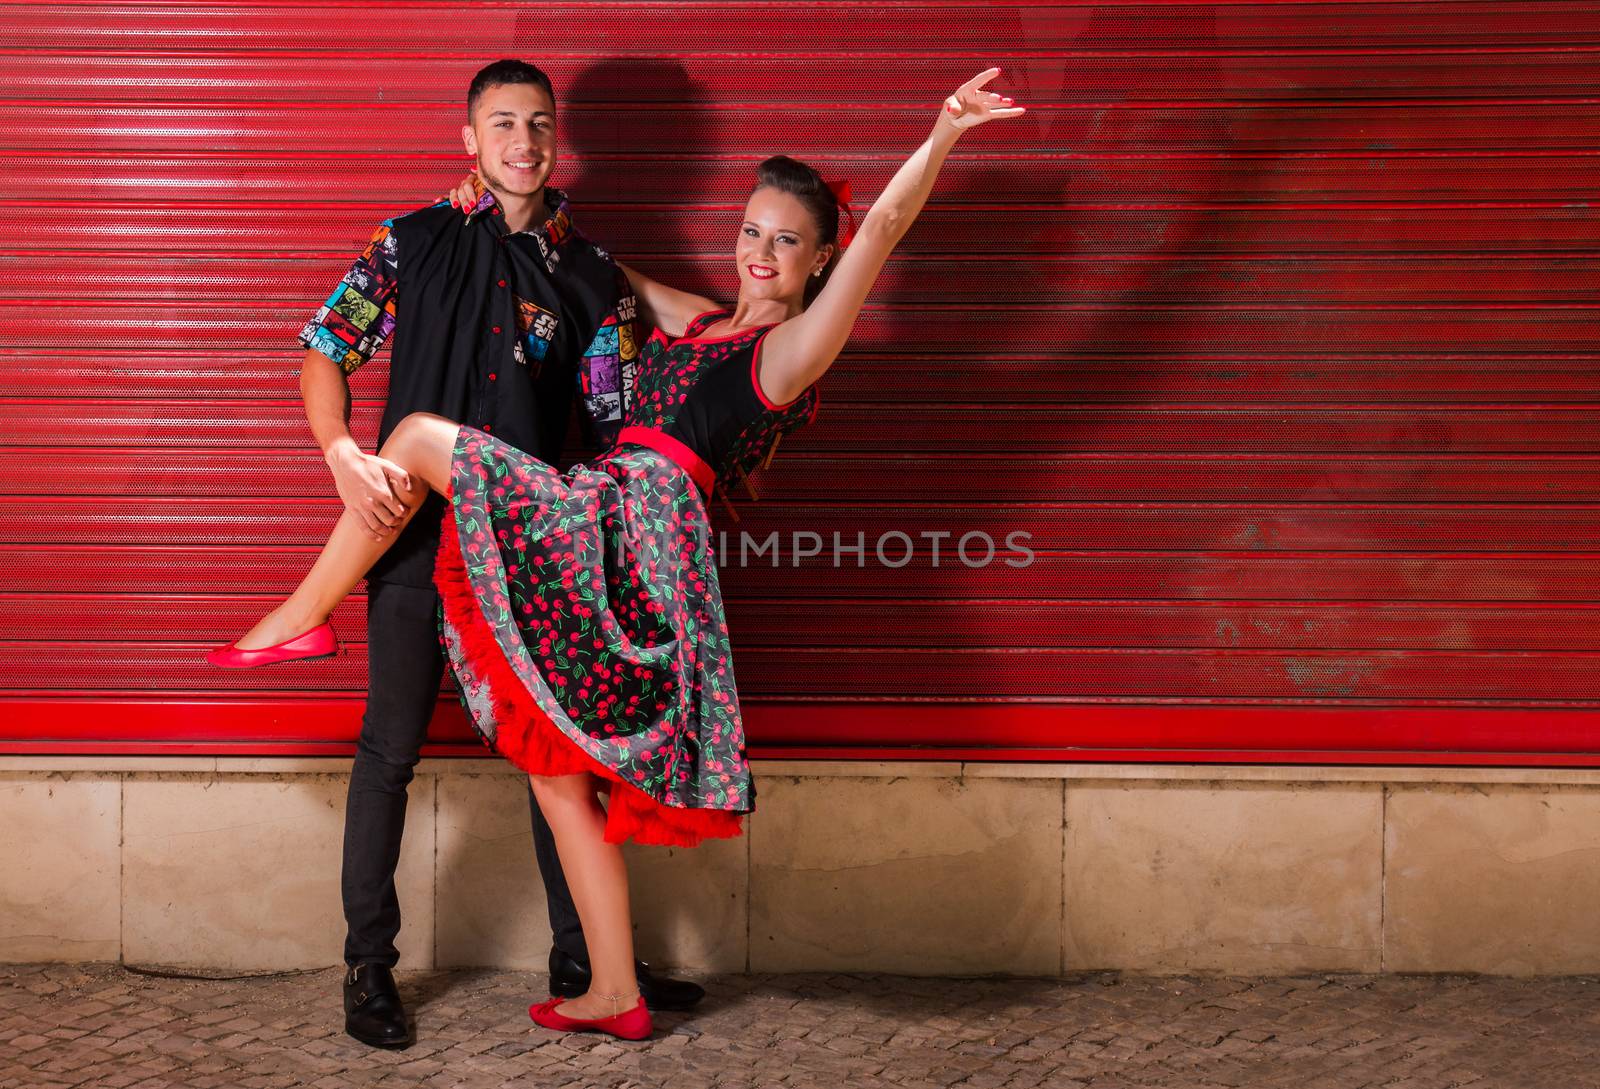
665 308
660 306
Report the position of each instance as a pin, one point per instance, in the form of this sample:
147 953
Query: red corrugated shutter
1272 324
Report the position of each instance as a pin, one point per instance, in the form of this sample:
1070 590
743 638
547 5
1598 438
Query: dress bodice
704 393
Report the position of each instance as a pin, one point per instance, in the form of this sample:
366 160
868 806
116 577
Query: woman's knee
419 428
423 443
563 790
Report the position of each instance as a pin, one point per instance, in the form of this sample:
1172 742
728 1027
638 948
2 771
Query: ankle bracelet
615 998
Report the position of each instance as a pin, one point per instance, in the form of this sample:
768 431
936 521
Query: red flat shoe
633 1024
319 642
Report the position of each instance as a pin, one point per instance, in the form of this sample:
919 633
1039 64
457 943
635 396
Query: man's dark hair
502 72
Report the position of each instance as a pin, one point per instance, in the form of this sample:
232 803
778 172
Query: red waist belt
674 451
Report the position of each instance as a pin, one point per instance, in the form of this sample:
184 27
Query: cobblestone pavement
111 1028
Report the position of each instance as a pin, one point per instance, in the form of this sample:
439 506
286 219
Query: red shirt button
491 376
496 329
502 283
486 427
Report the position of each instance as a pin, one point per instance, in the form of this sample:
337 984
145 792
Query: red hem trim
673 450
527 737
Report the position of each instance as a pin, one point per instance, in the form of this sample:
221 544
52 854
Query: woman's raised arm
800 350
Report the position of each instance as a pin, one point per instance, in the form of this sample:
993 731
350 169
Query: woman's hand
971 105
464 195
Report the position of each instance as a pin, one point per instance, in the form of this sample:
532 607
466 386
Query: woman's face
777 251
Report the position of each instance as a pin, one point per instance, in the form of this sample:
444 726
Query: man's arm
346 332
365 481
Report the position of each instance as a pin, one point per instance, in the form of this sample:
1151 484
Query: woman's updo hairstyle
792 176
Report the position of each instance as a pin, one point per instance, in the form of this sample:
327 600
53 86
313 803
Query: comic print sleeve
605 373
359 316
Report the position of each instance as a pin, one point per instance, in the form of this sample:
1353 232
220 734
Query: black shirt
496 329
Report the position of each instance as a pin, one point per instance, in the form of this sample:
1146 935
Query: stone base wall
921 868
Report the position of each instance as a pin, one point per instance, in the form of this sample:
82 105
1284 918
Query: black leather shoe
372 1010
569 978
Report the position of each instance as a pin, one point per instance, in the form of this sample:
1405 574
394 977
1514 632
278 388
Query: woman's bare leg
422 444
598 878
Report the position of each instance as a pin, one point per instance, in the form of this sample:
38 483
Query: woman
582 615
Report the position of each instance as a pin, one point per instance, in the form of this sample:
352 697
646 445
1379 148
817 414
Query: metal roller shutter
1272 326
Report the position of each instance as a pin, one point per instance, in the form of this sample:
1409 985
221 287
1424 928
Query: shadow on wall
1089 301
1044 307
604 187
639 220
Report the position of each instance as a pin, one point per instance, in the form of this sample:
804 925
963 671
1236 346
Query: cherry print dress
582 614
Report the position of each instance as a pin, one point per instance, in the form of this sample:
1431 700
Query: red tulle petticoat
525 735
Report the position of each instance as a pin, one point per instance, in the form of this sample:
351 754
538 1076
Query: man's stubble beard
493 181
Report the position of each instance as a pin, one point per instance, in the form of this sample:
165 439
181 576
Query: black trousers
405 667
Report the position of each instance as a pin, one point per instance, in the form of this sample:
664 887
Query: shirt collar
551 236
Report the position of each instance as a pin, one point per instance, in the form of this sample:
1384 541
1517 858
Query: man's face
513 137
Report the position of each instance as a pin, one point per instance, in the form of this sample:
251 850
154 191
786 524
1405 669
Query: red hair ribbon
841 193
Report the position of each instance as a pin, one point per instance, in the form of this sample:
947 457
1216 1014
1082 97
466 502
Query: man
496 319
